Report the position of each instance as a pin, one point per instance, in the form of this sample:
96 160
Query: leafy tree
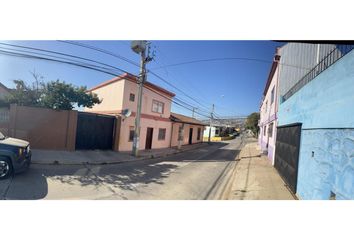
60 95
252 122
24 95
54 94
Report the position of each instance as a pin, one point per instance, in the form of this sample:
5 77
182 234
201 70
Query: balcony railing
338 52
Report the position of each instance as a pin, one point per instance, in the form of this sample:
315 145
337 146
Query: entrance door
148 142
190 135
287 153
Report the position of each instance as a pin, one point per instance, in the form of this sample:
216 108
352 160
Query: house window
266 106
216 131
131 134
264 130
132 97
270 130
162 133
157 106
272 96
198 136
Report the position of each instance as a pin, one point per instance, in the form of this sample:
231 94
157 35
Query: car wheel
5 168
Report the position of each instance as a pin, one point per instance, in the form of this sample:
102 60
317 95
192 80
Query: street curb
151 157
225 193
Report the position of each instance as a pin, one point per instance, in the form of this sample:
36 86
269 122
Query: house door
148 142
190 135
287 149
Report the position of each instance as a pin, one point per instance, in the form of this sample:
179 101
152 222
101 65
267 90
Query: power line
129 61
100 50
16 51
54 60
63 54
95 68
226 59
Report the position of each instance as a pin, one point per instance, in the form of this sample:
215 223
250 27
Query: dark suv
15 156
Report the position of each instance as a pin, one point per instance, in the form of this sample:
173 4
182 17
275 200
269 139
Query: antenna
126 113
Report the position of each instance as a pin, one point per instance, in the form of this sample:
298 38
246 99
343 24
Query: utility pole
211 123
194 108
139 47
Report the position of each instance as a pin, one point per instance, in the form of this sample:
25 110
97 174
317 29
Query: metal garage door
94 131
287 153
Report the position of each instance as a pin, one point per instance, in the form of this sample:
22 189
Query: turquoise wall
326 161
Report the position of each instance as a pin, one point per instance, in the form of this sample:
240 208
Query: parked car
15 156
235 134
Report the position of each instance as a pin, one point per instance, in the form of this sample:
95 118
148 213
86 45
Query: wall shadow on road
29 185
128 176
33 184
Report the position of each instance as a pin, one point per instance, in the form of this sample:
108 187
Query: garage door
287 149
94 131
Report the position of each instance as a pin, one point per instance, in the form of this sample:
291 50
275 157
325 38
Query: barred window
198 136
270 130
162 133
131 134
132 97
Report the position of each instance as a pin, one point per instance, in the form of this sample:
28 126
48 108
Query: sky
234 86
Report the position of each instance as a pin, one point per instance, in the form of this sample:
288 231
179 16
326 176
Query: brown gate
94 131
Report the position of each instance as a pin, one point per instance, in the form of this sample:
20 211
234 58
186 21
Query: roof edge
132 78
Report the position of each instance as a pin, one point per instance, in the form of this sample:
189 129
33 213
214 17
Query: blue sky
234 86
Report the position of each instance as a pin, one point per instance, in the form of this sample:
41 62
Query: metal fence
338 52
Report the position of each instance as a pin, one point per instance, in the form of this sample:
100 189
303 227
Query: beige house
159 127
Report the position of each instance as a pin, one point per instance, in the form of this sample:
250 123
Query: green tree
54 94
252 123
24 95
64 96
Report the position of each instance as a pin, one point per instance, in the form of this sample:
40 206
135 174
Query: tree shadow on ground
34 183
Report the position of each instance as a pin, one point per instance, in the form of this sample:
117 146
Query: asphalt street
196 174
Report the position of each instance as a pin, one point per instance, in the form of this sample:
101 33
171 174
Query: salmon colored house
159 127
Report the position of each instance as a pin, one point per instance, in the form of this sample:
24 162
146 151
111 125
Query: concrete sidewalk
103 157
254 178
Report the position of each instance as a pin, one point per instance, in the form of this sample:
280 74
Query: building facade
323 105
291 62
268 111
156 126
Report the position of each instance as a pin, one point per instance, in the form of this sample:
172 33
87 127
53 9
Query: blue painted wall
326 102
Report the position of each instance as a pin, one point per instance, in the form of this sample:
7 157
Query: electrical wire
100 50
226 59
95 68
62 54
129 61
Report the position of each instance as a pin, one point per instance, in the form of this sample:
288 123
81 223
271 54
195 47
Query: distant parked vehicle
235 134
15 156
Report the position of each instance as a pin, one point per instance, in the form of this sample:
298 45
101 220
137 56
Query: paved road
197 174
